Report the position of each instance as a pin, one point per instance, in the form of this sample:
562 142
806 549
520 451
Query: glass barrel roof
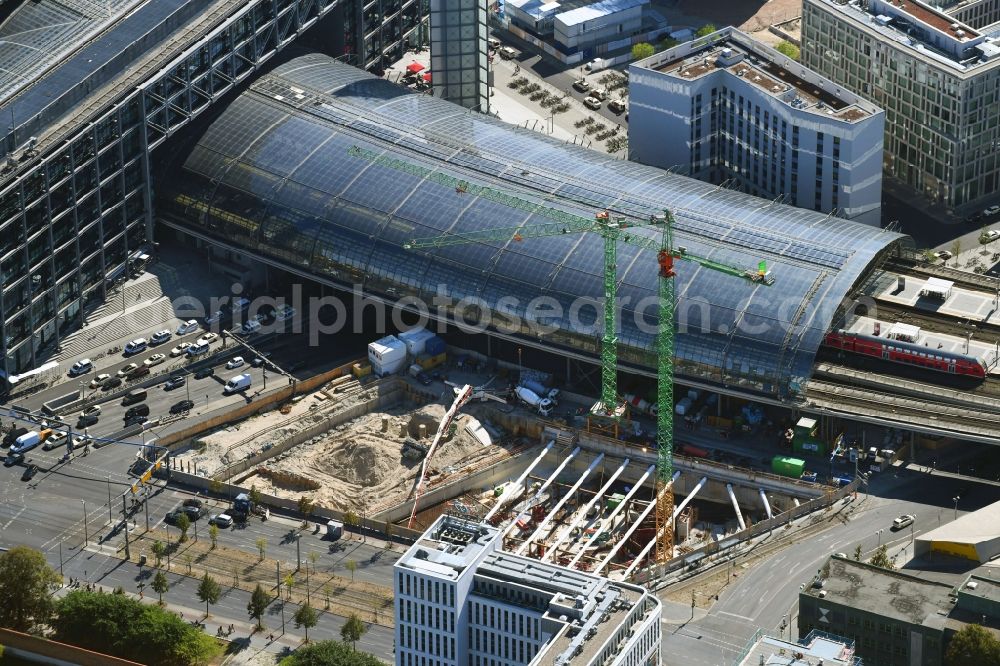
273 173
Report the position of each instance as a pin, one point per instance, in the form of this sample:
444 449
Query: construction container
427 362
415 340
814 446
360 370
720 422
434 346
614 501
387 356
790 467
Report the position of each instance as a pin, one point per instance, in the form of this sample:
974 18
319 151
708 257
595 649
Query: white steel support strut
677 511
565 498
512 488
767 505
544 487
736 505
582 513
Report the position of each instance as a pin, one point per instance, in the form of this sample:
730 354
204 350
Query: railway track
937 322
982 283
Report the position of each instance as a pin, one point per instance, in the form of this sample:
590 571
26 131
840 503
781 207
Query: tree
125 627
306 507
351 519
261 547
216 486
667 43
209 591
326 592
213 534
881 558
289 583
329 653
857 553
788 49
306 617
26 582
642 50
159 550
254 495
353 630
183 524
351 566
258 603
160 584
972 645
704 30
956 249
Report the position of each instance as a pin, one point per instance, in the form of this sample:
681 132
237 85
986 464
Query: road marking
741 617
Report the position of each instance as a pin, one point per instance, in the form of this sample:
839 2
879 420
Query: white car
991 234
617 105
81 367
54 441
251 326
135 346
98 380
592 103
214 317
208 338
903 521
187 327
223 520
286 312
992 210
160 337
127 370
581 85
179 349
155 359
197 348
943 254
235 362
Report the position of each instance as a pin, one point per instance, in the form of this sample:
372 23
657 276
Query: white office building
726 108
461 601
578 25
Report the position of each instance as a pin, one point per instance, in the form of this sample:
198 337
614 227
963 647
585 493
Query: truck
787 466
538 389
387 355
237 384
542 405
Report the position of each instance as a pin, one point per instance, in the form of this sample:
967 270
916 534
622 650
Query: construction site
394 451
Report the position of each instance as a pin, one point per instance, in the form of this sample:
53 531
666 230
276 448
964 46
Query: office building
935 76
578 26
816 649
461 601
87 91
894 618
459 58
728 109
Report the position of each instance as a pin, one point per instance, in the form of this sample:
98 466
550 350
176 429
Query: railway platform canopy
273 176
937 288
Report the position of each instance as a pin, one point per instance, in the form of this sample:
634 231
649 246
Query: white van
136 346
26 442
237 384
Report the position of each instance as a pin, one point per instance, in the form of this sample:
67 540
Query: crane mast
612 231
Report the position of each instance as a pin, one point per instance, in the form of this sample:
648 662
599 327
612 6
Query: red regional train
909 353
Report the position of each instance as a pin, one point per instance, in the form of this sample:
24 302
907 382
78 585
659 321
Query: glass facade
389 28
458 52
69 220
273 174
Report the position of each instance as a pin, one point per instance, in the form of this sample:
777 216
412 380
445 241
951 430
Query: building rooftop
816 649
925 29
981 588
888 593
980 526
540 9
742 56
597 10
449 547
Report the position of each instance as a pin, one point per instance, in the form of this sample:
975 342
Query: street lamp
955 499
86 536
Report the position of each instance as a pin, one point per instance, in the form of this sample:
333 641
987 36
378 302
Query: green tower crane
612 231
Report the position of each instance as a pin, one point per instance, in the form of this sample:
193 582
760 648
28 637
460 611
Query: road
761 596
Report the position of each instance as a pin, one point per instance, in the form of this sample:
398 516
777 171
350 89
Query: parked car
172 516
81 367
222 520
287 312
181 407
617 105
155 359
592 103
251 326
29 472
260 360
193 512
214 318
235 362
141 371
174 382
187 327
193 501
991 234
160 337
197 348
599 93
208 338
507 52
135 346
944 255
424 378
13 459
204 372
581 85
126 370
136 419
99 380
990 211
